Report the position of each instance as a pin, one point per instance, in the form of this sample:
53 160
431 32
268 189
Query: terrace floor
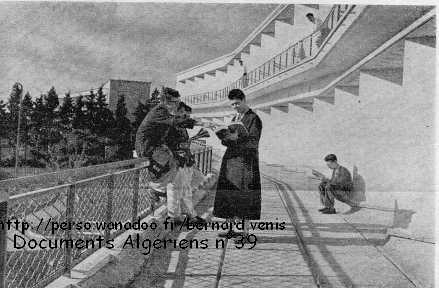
315 250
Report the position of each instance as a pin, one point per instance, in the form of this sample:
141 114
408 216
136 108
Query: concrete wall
387 132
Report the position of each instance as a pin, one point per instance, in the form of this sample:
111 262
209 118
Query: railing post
332 19
202 159
338 12
211 159
310 45
301 51
136 195
70 210
109 210
198 160
3 238
294 54
206 160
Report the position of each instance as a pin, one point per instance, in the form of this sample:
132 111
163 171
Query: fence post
198 159
3 237
206 160
203 156
310 45
210 159
136 195
109 210
70 210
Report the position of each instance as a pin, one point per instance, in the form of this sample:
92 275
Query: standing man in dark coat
238 194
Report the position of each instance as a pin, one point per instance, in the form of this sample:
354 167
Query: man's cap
168 93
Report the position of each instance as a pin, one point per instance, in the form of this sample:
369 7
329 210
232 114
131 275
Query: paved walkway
314 250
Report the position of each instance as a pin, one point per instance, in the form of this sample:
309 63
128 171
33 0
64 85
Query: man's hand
184 145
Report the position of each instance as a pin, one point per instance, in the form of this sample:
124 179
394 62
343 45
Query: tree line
75 133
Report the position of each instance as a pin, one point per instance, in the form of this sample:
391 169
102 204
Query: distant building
133 91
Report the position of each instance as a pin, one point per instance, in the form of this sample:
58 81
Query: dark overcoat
238 192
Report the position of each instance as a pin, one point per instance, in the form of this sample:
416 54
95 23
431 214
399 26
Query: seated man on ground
338 187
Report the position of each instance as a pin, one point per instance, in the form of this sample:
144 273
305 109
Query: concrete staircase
287 28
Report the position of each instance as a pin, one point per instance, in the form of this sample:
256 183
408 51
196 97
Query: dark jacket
341 179
158 128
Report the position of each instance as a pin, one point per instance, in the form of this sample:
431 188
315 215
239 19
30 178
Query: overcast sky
78 46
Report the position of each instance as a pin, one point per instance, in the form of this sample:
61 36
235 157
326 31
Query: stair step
354 90
424 40
393 75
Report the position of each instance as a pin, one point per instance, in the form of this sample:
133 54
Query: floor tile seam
266 275
385 256
295 220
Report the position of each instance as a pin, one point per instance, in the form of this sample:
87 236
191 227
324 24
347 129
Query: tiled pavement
318 250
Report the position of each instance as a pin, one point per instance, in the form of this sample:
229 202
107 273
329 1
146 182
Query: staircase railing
295 55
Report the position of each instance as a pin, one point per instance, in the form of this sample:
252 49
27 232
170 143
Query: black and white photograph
217 144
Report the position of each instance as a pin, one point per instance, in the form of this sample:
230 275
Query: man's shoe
242 239
198 220
329 211
230 234
323 209
225 234
176 221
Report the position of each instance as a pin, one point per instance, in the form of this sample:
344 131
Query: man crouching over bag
153 143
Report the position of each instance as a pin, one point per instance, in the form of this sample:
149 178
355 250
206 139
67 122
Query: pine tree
3 123
52 117
91 110
122 131
27 107
13 108
79 118
3 120
104 116
67 112
37 128
51 103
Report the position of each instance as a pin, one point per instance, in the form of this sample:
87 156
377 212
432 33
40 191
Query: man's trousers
166 184
183 186
328 193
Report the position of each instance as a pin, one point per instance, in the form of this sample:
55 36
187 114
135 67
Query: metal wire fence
294 55
66 222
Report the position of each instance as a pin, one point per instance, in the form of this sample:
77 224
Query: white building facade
366 94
